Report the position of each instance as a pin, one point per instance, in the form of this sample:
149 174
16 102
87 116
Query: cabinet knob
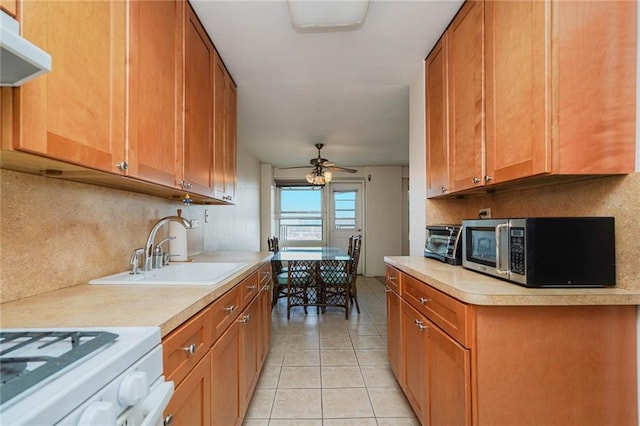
251 287
185 185
475 180
191 349
488 178
226 197
168 421
244 319
424 300
387 290
230 308
122 165
443 189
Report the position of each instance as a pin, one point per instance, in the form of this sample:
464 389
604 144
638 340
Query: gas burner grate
18 349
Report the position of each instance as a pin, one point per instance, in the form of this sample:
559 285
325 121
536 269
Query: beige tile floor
325 370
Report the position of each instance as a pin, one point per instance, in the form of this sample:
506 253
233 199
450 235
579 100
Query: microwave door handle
499 251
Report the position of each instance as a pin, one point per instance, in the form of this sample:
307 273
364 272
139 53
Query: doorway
346 216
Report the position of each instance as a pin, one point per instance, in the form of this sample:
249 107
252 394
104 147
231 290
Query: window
344 209
301 214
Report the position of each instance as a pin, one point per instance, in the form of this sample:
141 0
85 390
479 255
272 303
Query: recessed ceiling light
327 15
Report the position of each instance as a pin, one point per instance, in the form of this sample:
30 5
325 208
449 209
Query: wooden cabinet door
225 372
414 357
225 123
76 112
437 120
265 322
466 89
199 59
394 321
449 372
219 83
189 404
155 90
230 133
9 6
517 123
249 322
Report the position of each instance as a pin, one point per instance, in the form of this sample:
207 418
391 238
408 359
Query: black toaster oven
443 243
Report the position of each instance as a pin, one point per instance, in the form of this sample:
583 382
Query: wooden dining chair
301 289
334 284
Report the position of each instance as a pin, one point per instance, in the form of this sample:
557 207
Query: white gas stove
82 376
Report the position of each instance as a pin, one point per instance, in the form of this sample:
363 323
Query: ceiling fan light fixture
326 16
328 175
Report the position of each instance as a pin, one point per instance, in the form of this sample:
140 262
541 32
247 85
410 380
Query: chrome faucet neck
148 248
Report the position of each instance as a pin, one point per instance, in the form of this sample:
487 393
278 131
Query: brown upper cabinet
558 96
155 96
224 150
9 6
75 113
199 62
138 101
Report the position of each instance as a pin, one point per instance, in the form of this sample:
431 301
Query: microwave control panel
516 245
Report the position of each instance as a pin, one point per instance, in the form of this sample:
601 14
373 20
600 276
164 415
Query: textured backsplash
617 196
55 233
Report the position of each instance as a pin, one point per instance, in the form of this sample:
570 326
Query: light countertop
126 305
478 289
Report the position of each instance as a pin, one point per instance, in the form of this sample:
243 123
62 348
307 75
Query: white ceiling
348 90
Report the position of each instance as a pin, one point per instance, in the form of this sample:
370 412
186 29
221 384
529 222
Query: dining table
315 294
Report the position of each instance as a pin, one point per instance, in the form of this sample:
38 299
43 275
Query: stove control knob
134 387
98 413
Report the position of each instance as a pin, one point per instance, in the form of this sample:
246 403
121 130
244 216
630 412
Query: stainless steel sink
196 273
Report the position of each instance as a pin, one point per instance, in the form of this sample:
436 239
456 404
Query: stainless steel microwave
543 252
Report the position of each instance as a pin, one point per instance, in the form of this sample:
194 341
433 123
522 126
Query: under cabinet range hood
20 60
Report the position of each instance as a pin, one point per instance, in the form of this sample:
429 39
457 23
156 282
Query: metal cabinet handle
168 421
420 325
387 290
230 308
424 300
488 178
122 166
227 197
245 318
443 189
251 287
475 180
191 349
392 278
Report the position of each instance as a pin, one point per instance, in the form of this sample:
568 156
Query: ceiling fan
322 169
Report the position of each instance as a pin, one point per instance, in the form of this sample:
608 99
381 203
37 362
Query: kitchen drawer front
249 288
265 274
449 314
224 311
393 279
185 346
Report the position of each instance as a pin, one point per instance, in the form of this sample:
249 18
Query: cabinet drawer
265 274
393 279
185 346
443 310
224 311
249 288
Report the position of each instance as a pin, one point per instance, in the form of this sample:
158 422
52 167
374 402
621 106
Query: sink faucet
148 249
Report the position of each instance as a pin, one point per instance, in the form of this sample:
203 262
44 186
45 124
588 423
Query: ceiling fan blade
327 163
294 167
343 169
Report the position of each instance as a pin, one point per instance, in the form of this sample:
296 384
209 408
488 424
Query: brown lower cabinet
217 391
463 364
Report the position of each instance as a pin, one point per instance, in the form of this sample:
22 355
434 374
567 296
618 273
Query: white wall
237 227
417 164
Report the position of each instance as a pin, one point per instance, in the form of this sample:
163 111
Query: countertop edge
87 305
478 289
